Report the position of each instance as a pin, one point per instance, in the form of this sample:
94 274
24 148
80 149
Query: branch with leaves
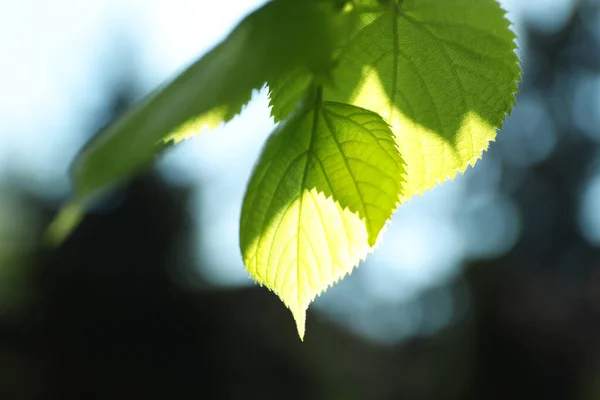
376 101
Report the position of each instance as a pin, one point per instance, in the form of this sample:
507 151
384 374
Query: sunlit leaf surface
326 183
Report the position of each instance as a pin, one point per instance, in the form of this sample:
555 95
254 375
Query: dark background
105 315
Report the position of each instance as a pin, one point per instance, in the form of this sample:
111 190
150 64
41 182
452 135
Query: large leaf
326 182
279 36
443 74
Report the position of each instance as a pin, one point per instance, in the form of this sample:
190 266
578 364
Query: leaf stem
318 98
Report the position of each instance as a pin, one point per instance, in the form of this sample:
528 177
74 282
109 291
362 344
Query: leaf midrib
310 153
395 61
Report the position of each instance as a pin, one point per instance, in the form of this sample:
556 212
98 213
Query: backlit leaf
327 181
443 74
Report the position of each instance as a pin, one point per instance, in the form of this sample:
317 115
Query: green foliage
326 183
276 38
378 100
441 73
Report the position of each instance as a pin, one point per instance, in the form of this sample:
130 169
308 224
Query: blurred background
485 288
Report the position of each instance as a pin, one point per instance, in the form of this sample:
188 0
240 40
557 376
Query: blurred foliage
273 39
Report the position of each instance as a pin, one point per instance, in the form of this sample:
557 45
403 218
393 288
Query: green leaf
286 92
327 181
274 39
443 74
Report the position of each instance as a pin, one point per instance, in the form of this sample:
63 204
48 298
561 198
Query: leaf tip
299 314
64 223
